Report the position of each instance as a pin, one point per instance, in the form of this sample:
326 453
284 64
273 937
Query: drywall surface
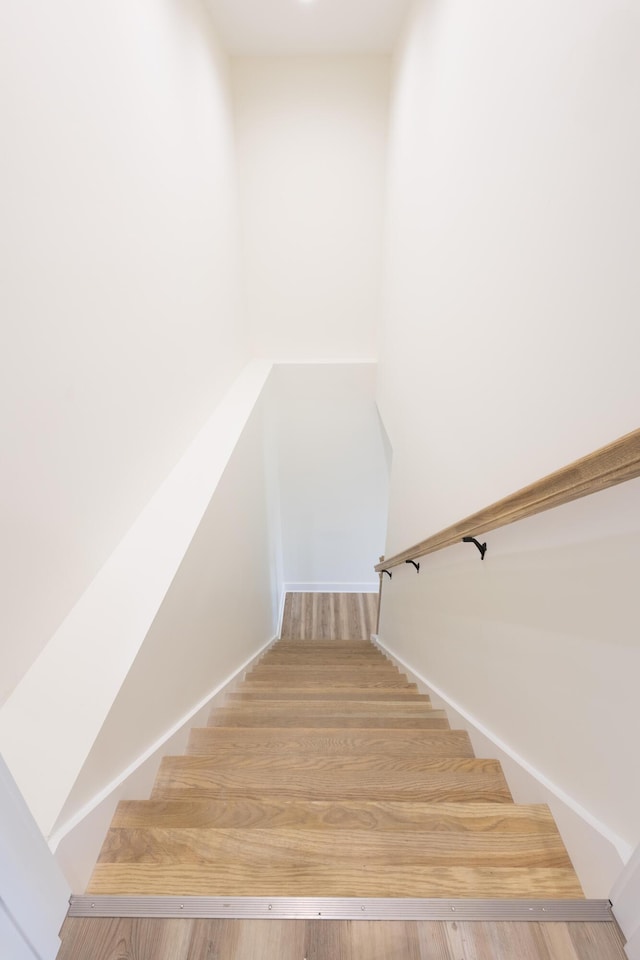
511 337
119 283
50 722
311 136
332 475
539 642
33 890
218 610
592 848
510 349
625 897
78 840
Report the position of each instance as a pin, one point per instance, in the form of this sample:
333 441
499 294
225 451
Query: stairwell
326 774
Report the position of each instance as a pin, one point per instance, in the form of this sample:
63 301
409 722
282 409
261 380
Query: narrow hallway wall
119 293
510 349
332 475
218 610
312 137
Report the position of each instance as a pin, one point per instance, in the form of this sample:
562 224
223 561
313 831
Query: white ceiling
288 27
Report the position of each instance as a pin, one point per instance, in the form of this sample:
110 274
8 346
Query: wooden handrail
606 467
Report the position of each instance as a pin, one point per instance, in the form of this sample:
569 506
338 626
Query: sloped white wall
49 724
119 290
311 135
510 348
218 610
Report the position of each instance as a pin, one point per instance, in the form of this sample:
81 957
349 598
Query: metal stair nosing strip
339 908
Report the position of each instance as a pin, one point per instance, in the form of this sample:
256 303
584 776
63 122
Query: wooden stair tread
337 684
433 720
318 650
378 696
333 847
390 815
336 767
213 741
323 677
334 778
354 880
326 773
359 648
330 669
339 707
336 641
320 659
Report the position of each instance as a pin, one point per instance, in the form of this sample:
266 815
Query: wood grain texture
337 684
318 647
308 788
326 672
338 616
103 939
434 720
124 939
500 819
299 644
326 694
354 880
331 778
338 848
316 653
218 741
617 462
337 707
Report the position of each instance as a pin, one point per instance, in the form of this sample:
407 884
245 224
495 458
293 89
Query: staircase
326 774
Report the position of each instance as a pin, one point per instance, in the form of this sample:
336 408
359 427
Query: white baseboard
77 843
598 855
368 587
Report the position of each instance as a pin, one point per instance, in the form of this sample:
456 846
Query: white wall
311 135
118 253
218 610
33 892
625 898
510 348
332 475
50 722
539 644
511 339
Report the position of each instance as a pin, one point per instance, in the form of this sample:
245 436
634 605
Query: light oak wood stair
326 774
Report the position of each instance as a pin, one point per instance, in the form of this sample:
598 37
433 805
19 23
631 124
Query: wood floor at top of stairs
200 939
326 773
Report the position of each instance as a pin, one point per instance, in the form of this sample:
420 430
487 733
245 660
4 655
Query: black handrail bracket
482 547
